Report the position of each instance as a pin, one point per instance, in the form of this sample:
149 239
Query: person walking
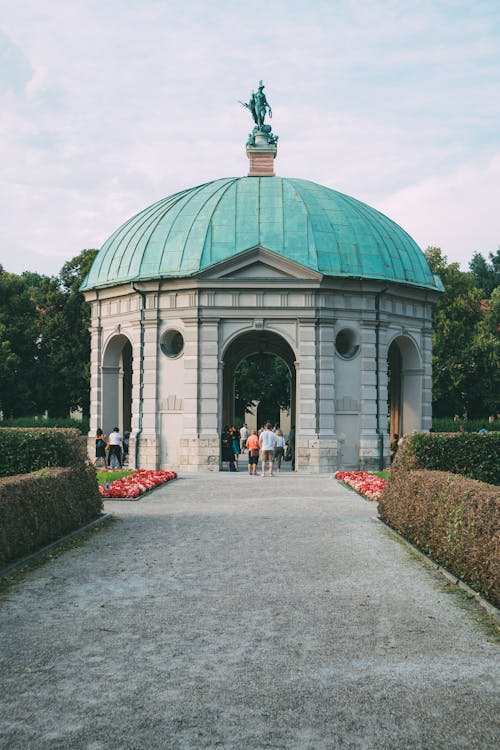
227 454
253 453
279 450
267 443
100 448
235 442
243 437
115 449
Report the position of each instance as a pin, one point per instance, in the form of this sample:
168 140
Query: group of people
268 444
113 452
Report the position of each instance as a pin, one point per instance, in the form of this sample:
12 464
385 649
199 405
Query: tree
487 275
18 348
263 378
465 380
62 321
45 342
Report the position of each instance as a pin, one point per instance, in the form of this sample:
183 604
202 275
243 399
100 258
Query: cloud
107 107
457 211
15 68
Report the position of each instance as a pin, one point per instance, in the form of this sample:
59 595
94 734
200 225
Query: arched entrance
255 345
404 369
117 385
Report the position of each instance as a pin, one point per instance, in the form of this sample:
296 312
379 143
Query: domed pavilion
188 288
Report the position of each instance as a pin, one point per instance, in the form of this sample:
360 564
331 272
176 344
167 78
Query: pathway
228 611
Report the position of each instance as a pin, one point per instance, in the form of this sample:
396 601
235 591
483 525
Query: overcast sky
109 105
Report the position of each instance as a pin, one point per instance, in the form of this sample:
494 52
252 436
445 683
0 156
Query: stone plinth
261 160
316 456
199 454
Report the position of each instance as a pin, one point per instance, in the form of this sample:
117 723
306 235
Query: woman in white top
279 450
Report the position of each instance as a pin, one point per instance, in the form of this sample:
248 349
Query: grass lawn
382 474
109 476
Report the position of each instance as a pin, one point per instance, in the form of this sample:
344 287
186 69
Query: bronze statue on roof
258 106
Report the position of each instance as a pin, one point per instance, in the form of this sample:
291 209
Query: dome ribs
310 224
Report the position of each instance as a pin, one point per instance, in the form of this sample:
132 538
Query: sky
107 106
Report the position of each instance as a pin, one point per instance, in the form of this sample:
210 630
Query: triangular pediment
258 263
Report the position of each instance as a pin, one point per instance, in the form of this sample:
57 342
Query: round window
346 343
172 343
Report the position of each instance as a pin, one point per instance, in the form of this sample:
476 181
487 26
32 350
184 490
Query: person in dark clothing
227 454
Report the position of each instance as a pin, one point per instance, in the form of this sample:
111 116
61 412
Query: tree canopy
466 341
45 343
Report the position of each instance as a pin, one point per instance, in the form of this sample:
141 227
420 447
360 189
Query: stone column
325 343
306 382
95 420
426 419
145 430
368 443
200 441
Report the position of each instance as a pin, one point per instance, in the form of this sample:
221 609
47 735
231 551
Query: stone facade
175 392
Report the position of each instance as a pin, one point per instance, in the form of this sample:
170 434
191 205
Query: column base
199 454
316 455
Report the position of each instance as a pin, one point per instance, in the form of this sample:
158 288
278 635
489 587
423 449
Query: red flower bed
366 484
136 484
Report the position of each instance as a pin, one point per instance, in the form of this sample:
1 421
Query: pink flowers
136 484
366 484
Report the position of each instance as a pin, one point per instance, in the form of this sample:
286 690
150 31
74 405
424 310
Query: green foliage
82 425
448 424
454 520
487 275
40 501
45 343
26 450
262 378
472 455
110 476
39 508
466 344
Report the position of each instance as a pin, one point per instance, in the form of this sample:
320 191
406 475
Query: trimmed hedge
448 424
455 520
23 450
48 488
82 425
41 507
469 454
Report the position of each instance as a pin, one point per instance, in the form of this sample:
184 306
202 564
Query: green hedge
469 454
82 425
23 450
455 520
48 488
41 507
448 424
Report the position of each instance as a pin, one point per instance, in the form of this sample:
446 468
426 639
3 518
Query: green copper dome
302 221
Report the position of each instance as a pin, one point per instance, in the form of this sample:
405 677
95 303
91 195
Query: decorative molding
347 405
171 403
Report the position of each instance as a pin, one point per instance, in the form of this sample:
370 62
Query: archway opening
259 381
117 385
262 390
404 386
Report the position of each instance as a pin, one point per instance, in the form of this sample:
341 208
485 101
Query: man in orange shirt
253 453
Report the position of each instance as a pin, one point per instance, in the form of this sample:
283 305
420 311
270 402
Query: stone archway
117 385
245 345
405 386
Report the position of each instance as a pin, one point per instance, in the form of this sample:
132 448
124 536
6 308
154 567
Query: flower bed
368 485
135 484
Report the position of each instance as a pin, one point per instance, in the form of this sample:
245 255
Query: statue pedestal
261 157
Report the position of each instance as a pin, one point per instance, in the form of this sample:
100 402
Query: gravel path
227 611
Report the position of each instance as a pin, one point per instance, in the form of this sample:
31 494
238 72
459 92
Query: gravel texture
228 611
